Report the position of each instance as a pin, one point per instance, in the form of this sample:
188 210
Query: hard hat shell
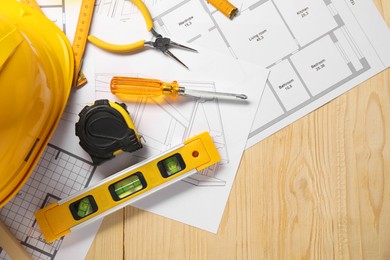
36 72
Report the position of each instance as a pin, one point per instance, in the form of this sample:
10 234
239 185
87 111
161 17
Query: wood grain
317 189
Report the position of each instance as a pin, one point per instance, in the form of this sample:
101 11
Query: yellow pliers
161 43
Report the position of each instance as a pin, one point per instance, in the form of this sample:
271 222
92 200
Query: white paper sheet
315 50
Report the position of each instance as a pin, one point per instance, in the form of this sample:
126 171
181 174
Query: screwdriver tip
242 96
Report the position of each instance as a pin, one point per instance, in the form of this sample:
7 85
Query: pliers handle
126 47
116 48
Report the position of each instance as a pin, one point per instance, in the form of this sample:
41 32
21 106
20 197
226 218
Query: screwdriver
131 86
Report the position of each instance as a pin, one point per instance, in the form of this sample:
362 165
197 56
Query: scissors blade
175 44
169 54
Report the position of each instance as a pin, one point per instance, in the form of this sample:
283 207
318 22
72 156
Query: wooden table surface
317 189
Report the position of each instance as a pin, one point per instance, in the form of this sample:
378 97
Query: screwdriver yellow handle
130 86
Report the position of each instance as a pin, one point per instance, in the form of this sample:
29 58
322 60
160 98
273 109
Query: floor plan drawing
119 9
63 13
57 175
314 50
55 11
301 70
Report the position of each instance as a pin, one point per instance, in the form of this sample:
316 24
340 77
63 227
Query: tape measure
105 129
126 187
80 37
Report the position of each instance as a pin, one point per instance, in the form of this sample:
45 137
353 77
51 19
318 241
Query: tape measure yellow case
126 187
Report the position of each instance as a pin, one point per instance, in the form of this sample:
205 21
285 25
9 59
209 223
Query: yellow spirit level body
127 186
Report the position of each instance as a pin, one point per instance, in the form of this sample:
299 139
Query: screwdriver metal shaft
209 94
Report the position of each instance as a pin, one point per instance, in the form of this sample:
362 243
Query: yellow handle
145 12
126 47
143 87
116 48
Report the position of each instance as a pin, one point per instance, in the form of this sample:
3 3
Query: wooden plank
11 245
109 243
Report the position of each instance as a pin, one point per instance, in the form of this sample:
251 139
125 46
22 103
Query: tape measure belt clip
105 128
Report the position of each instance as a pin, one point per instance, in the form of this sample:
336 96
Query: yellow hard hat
36 72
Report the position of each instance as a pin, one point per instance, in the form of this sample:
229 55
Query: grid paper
57 175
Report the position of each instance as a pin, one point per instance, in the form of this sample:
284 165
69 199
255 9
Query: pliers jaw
163 44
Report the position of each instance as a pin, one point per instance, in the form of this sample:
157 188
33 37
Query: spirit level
126 187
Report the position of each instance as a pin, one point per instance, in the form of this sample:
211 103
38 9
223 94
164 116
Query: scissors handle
116 48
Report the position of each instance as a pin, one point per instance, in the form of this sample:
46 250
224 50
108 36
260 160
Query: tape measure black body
105 129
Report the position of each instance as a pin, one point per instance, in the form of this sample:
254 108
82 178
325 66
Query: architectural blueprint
315 50
57 175
64 13
121 9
